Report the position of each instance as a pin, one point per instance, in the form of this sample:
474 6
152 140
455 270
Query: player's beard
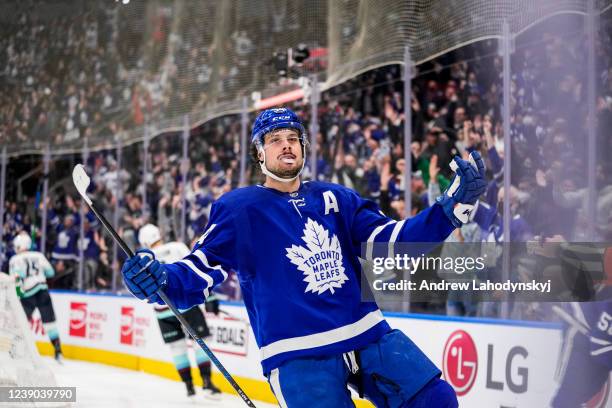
287 173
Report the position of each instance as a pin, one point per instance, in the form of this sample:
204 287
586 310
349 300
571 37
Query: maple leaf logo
320 261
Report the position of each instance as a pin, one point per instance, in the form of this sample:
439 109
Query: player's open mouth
287 158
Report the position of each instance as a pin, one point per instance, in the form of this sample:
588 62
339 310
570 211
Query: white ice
99 385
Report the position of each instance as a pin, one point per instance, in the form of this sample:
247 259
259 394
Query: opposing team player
172 332
585 363
296 246
31 269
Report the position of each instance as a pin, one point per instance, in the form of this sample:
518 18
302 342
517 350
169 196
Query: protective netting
96 73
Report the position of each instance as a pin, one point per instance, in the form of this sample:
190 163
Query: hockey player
296 246
149 237
31 269
585 362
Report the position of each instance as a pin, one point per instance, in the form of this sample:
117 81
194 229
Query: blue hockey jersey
297 259
65 248
585 360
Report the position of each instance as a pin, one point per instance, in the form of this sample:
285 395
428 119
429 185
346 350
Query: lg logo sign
460 362
516 383
460 366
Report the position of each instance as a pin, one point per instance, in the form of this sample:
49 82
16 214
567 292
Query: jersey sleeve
17 267
191 279
370 225
46 267
600 335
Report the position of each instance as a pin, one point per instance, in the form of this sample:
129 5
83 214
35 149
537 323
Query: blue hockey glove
144 276
469 183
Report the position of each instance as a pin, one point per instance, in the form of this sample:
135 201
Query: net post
43 234
506 114
184 168
314 124
407 154
591 23
3 160
145 162
118 195
82 215
244 123
407 130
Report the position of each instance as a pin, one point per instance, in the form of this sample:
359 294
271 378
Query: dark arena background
157 99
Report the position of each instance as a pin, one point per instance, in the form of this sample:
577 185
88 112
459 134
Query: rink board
490 363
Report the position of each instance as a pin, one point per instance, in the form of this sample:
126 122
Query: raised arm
431 225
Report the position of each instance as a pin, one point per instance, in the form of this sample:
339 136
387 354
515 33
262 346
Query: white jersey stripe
324 338
276 387
203 275
601 351
579 315
396 230
372 237
202 257
61 256
601 342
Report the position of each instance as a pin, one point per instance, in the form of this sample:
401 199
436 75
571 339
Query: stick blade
81 181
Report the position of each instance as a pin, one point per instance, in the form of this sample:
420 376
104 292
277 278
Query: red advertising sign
78 319
127 325
460 362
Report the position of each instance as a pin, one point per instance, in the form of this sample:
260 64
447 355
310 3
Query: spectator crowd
455 108
94 70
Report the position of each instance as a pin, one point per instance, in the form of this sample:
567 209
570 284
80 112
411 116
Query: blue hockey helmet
270 120
276 118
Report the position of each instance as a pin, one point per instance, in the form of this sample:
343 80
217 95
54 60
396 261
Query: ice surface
99 385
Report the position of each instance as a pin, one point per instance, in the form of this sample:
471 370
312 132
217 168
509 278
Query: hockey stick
81 182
